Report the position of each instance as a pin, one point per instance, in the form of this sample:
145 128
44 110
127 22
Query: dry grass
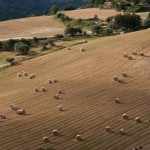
102 14
30 27
88 92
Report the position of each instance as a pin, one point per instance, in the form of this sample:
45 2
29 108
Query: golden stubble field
88 97
42 26
102 14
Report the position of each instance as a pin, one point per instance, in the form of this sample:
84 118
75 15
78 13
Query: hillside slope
102 14
88 97
31 27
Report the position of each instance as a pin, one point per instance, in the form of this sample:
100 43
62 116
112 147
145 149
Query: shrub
107 31
146 23
84 33
72 31
109 19
59 36
129 21
21 48
35 40
25 41
148 15
10 60
53 10
95 29
1 44
11 43
58 15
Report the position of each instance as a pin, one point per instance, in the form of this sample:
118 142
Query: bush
1 44
21 48
72 31
53 10
96 29
107 31
25 41
129 21
11 43
10 60
84 33
146 23
59 36
148 15
35 40
120 6
109 19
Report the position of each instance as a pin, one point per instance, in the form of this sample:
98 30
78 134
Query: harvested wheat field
88 97
30 27
102 14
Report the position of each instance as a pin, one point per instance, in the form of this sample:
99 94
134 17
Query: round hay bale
36 89
59 91
108 129
124 74
125 55
115 78
43 89
138 120
134 53
69 48
50 81
20 112
117 100
19 74
56 96
84 41
78 137
130 57
142 53
120 80
125 116
13 107
55 132
55 80
81 49
122 132
2 116
24 74
31 76
60 108
46 139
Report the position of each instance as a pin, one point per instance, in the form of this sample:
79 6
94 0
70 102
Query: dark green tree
21 48
135 2
10 60
72 31
129 21
53 10
146 23
96 29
